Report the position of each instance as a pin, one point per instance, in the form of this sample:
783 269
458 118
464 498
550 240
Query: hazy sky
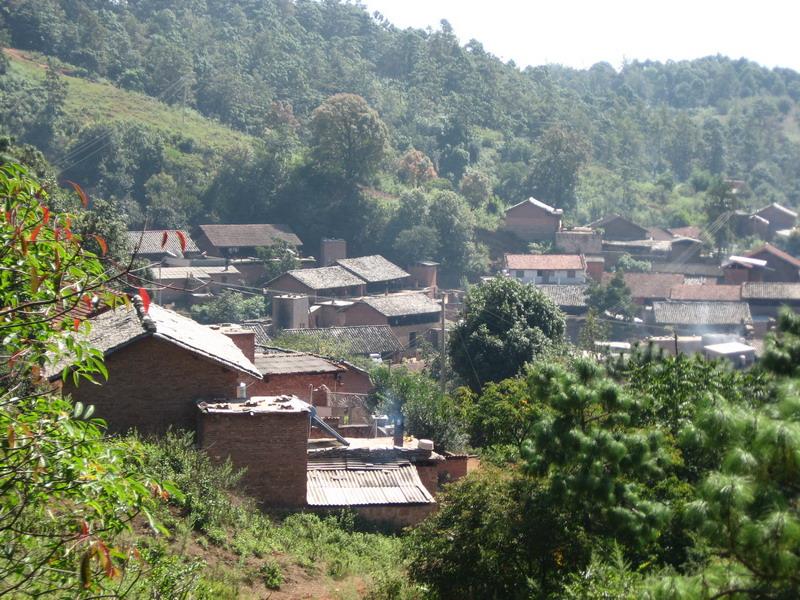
580 33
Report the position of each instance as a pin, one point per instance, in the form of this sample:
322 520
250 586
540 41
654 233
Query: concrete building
533 221
546 268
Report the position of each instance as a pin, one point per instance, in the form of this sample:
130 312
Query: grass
91 102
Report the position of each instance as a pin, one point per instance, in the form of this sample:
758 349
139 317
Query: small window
520 274
412 339
571 274
540 273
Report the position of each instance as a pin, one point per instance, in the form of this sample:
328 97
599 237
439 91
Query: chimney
331 250
245 339
289 311
595 265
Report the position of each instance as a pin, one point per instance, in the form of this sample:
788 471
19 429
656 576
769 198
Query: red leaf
182 240
8 216
87 300
79 190
84 529
76 323
102 243
164 239
45 214
35 232
145 299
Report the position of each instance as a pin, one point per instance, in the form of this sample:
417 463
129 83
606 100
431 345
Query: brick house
648 287
738 269
706 293
766 299
781 266
296 373
158 364
410 316
380 274
778 218
619 228
546 268
533 221
320 282
150 244
234 240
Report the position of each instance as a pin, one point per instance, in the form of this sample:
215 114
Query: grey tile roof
701 313
770 291
249 235
260 328
398 305
294 363
695 269
373 269
356 339
362 477
115 329
565 295
326 278
152 238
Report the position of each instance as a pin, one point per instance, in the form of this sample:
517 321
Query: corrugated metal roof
356 339
373 269
339 482
149 242
249 235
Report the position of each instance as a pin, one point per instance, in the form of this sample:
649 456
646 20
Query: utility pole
443 351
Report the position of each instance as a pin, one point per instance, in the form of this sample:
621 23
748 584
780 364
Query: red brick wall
532 223
297 384
353 381
363 314
273 447
153 385
394 515
245 340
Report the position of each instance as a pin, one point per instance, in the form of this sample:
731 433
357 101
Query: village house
379 274
706 293
778 217
355 340
242 240
646 288
410 316
780 266
322 282
546 268
150 244
579 240
159 363
294 373
766 299
570 298
533 221
700 272
180 284
619 228
738 269
697 318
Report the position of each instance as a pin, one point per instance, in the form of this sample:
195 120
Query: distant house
357 340
320 282
409 315
546 268
297 373
619 228
533 221
706 293
175 284
579 240
779 218
781 266
738 269
233 240
648 287
766 299
159 364
690 270
570 298
380 274
151 246
690 231
694 318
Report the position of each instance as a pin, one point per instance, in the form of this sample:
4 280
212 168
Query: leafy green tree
560 157
628 264
415 168
348 137
278 259
230 307
476 187
420 242
593 330
506 324
504 414
613 298
720 205
67 493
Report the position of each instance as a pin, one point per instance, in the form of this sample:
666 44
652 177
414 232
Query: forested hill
643 141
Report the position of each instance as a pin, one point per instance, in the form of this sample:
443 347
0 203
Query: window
412 339
571 274
540 273
520 274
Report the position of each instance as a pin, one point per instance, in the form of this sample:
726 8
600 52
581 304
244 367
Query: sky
580 33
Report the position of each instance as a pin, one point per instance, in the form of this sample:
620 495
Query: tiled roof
690 231
545 262
648 285
260 330
776 252
163 273
399 305
250 234
731 293
657 233
357 339
538 204
770 291
778 207
326 278
152 238
363 477
701 313
373 269
115 329
693 269
293 363
614 217
565 295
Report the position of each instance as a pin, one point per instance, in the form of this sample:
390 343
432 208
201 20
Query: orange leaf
182 240
88 301
145 299
35 232
45 214
102 243
79 190
76 323
164 239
